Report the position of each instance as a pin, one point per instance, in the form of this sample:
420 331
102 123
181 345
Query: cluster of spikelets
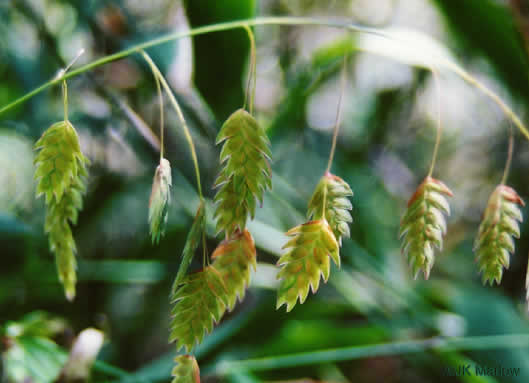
200 299
61 172
160 200
315 242
423 225
494 242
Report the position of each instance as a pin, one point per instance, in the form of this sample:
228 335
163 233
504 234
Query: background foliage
383 153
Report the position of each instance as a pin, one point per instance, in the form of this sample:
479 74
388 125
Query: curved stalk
439 126
280 20
509 157
172 98
252 74
338 115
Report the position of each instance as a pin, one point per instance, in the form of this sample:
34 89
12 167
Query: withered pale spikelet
423 225
199 302
336 192
60 172
234 258
186 370
160 200
246 173
494 242
307 259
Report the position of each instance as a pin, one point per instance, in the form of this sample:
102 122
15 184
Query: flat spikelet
423 226
160 200
186 370
234 258
193 239
336 192
60 172
199 302
246 173
307 258
494 242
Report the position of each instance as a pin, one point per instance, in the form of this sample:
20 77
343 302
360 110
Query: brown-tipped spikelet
186 370
423 226
307 258
335 192
246 173
160 200
60 172
494 242
199 302
234 258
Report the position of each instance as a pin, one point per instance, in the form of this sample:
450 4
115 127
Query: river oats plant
200 298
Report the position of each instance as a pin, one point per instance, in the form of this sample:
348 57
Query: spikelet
193 238
423 226
160 200
494 242
246 173
307 258
199 302
60 172
186 370
234 258
335 191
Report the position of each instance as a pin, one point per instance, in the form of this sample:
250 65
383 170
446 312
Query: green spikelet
246 173
199 302
336 192
234 258
308 257
423 226
160 200
186 370
193 239
494 242
60 172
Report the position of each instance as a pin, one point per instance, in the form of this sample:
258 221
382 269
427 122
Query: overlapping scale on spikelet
198 303
234 258
494 243
186 370
336 192
307 259
160 200
246 173
60 172
424 225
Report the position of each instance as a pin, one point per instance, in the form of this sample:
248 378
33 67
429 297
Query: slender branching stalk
337 122
439 126
252 73
180 115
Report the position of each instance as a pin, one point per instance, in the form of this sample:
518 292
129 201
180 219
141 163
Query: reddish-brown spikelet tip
511 195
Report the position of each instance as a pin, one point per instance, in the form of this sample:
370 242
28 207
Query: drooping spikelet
234 258
193 239
494 242
423 226
307 258
60 172
246 173
199 302
335 192
186 370
160 200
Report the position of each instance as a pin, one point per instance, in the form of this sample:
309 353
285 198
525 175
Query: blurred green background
383 152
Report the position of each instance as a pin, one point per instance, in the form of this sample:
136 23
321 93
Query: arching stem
249 97
160 101
176 107
509 156
336 128
65 99
439 125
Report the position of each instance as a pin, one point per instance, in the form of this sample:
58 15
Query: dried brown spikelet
494 242
423 225
308 257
